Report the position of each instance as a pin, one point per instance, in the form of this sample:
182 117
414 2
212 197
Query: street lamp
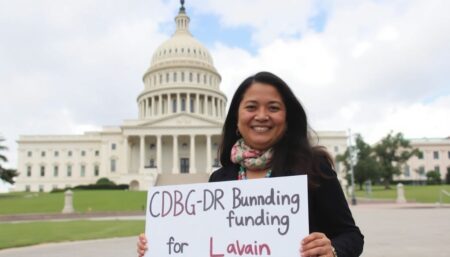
350 151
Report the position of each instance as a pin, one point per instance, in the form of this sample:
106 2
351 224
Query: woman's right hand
142 245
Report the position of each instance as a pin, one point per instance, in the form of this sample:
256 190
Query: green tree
433 177
366 166
6 174
393 151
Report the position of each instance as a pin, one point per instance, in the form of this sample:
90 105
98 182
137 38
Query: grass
31 233
84 201
420 194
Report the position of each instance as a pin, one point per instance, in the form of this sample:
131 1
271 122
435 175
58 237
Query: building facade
174 139
434 156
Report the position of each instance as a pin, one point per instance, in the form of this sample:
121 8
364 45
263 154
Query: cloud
376 66
65 65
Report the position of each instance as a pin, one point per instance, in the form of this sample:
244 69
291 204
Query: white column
192 168
158 153
155 110
214 104
175 168
208 154
126 147
188 104
160 106
143 108
205 104
142 153
197 103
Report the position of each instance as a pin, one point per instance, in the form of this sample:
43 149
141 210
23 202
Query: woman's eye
250 107
274 108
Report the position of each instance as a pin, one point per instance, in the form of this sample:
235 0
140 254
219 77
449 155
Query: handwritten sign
258 217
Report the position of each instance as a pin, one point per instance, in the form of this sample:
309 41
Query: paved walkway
413 230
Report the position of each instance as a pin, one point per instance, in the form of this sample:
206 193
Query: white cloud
374 68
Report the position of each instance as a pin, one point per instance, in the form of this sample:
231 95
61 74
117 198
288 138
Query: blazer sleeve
335 218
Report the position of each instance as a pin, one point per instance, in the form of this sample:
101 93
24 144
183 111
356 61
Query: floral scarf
250 158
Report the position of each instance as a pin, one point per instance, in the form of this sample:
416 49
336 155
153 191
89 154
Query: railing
442 194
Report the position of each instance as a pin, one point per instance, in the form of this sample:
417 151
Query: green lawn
421 194
31 233
84 201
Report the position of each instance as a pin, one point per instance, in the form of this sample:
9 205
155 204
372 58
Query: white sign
258 217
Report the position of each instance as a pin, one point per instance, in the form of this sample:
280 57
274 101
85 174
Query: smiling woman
265 135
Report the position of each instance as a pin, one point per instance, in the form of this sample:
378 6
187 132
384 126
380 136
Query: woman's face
261 116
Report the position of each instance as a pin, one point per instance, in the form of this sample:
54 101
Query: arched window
174 77
182 76
167 77
190 77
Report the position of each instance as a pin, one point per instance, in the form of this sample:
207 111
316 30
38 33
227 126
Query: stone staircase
179 179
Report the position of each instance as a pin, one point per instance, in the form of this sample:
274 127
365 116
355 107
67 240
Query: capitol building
174 139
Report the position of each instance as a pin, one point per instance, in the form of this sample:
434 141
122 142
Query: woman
266 135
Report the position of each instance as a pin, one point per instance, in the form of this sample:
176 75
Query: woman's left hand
316 244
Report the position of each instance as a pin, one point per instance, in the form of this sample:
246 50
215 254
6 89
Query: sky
372 66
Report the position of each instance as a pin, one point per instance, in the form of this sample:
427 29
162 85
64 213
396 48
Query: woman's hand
316 244
142 245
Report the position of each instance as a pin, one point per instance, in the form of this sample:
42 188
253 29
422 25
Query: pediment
184 120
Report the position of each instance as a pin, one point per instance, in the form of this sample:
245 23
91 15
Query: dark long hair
293 153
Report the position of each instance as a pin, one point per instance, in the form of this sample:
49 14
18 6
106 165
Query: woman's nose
262 115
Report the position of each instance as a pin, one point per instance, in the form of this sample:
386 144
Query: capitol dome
182 78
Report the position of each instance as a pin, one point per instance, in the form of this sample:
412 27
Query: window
42 171
28 171
420 155
174 77
152 146
204 79
56 153
69 153
406 171
183 104
113 165
41 188
55 171
198 77
437 169
192 105
113 146
216 162
182 76
83 153
27 188
30 153
422 170
42 154
436 155
190 77
152 163
174 105
167 77
82 170
160 78
69 170
97 153
96 170
336 149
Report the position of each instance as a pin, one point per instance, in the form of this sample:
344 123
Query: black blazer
328 211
